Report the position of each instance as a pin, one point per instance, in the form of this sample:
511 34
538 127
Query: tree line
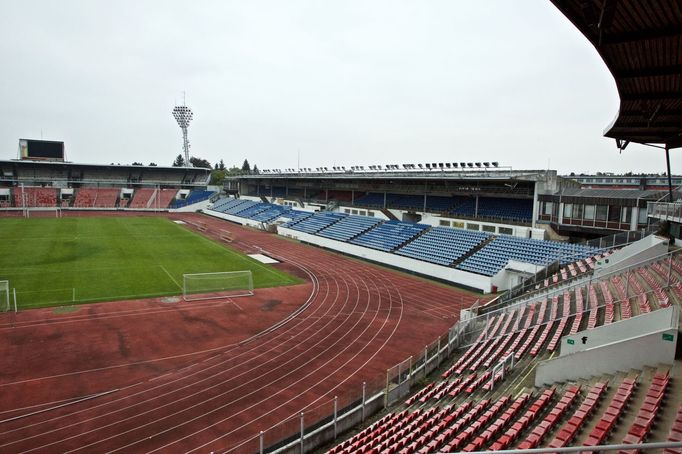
219 170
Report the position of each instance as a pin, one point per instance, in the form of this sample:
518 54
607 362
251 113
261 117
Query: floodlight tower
183 115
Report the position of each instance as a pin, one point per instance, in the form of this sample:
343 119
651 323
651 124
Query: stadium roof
641 43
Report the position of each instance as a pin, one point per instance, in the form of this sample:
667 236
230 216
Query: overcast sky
336 82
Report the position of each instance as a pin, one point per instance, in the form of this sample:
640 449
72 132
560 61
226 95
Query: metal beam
650 71
634 36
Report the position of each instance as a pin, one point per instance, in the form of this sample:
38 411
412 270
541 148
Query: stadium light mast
183 115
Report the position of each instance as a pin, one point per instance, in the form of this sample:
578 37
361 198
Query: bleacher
459 412
496 207
91 197
271 213
316 222
252 210
495 255
349 227
389 235
37 197
442 245
195 196
142 198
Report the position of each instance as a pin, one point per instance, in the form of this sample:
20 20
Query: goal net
203 286
4 296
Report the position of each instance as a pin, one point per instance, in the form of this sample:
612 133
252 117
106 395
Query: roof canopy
641 43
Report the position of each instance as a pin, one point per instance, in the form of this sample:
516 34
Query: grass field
49 261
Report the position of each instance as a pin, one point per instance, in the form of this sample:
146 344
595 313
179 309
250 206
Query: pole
364 399
302 432
336 407
261 442
670 180
15 300
426 358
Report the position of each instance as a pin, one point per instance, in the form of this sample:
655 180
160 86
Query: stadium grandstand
29 184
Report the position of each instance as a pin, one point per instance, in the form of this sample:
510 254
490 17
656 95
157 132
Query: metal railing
665 211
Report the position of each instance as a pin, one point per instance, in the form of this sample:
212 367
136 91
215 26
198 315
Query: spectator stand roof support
640 42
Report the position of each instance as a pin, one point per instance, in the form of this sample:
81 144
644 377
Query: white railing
665 211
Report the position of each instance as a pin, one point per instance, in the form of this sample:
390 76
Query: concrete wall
199 206
445 273
621 330
232 218
647 340
647 248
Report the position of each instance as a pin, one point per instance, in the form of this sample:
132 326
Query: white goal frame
234 284
4 299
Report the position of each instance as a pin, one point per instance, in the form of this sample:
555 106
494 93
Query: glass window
489 228
445 223
459 225
626 214
568 210
589 212
473 227
547 209
505 230
602 210
642 217
577 211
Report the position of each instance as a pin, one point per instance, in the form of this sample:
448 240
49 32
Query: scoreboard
41 150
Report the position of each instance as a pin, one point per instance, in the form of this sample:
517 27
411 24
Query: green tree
199 162
255 169
246 167
152 164
179 161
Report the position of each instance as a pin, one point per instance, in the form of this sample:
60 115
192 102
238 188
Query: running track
179 378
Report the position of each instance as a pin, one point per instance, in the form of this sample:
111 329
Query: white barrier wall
607 334
647 248
614 348
235 219
453 275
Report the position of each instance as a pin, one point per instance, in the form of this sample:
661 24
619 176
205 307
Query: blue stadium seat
442 245
349 227
389 235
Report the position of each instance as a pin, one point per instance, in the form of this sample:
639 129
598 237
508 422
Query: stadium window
642 217
473 227
457 224
602 210
577 211
626 214
589 212
355 211
547 208
370 214
489 228
445 223
505 231
346 210
568 210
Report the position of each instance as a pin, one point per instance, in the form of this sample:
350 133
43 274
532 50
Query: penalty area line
170 276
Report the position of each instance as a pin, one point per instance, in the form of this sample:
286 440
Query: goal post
204 286
4 296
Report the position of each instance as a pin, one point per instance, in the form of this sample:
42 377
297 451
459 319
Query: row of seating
442 245
98 197
648 411
349 227
389 235
487 207
495 255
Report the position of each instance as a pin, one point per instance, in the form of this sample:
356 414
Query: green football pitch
61 261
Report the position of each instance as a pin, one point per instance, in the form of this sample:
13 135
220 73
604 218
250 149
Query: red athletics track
180 381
